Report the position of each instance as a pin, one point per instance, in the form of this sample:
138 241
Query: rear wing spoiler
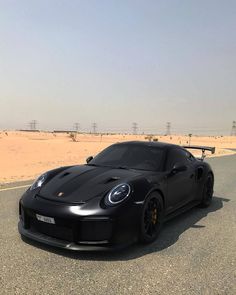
202 148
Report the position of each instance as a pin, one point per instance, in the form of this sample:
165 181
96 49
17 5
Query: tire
151 218
207 193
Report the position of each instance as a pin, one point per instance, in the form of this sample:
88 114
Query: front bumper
76 231
62 244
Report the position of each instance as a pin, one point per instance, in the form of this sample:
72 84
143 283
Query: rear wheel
207 193
152 218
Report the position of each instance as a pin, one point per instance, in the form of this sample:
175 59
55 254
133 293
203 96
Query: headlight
118 194
39 181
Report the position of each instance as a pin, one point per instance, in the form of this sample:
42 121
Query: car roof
162 145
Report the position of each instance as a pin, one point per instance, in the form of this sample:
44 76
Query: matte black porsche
122 195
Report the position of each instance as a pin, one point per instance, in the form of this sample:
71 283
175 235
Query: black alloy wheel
152 218
207 191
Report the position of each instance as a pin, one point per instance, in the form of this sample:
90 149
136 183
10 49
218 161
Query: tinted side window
190 157
176 156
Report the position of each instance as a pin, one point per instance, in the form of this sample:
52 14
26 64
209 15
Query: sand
25 155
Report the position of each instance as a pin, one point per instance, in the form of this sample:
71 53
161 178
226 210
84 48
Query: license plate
45 219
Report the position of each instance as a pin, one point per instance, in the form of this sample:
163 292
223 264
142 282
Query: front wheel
207 193
152 218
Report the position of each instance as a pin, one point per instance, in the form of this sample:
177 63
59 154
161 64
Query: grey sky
118 62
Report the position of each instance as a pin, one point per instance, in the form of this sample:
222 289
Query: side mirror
89 159
178 167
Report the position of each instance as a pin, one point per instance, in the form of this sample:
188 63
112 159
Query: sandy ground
25 155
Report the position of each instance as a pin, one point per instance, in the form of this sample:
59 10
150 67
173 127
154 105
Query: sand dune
25 155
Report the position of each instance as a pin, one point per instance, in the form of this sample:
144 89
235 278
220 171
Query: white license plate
45 219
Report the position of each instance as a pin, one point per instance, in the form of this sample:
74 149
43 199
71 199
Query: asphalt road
195 253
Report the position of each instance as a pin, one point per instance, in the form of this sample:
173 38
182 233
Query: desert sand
25 155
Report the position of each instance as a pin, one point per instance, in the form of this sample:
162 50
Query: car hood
79 184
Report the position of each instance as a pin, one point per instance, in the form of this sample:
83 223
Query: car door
179 183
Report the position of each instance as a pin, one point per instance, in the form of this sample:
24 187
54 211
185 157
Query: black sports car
122 195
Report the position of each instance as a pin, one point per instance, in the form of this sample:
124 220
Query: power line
168 126
150 129
135 128
233 131
33 124
94 127
76 127
189 136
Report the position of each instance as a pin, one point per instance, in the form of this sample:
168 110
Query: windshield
130 156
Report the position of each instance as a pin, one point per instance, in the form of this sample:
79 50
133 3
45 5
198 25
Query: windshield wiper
122 167
114 167
95 165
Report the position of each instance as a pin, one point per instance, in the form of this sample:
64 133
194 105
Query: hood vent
65 174
111 179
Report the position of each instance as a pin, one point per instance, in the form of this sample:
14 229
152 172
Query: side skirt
182 210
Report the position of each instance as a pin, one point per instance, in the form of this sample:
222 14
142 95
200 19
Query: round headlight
39 181
118 194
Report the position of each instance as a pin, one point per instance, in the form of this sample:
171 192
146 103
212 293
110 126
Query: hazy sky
118 62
